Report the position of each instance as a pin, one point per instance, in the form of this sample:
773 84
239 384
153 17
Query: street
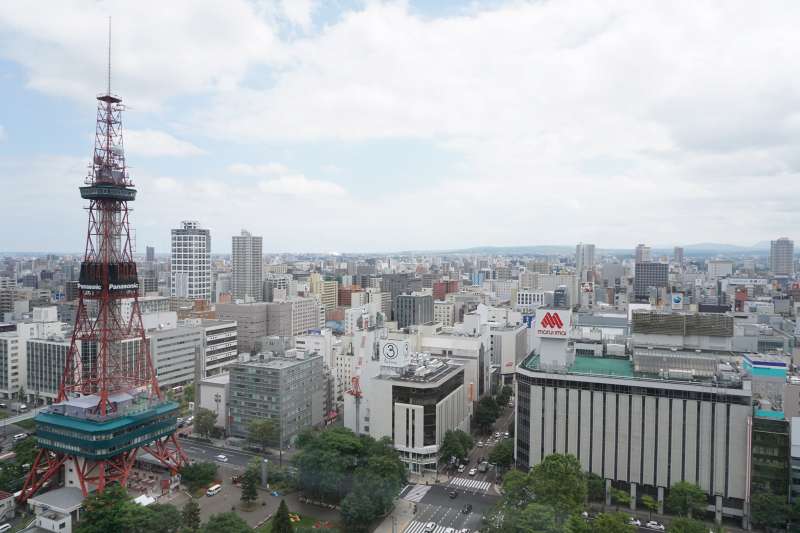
201 451
435 505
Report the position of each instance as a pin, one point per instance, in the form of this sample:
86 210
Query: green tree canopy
226 523
685 498
263 432
161 518
595 487
486 413
559 481
250 486
503 453
190 516
281 522
650 503
455 443
204 421
769 511
198 475
687 525
113 510
612 523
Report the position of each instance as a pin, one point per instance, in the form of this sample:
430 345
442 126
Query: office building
174 353
150 255
643 433
719 268
642 254
584 261
247 267
294 317
220 344
290 391
190 262
251 321
677 255
444 313
12 364
413 309
649 276
46 360
424 395
781 257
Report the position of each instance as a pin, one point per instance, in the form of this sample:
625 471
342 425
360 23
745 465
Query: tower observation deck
109 403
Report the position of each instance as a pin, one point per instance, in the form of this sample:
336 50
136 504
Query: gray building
174 353
291 391
247 267
648 275
46 362
294 317
413 309
251 320
642 425
397 284
781 257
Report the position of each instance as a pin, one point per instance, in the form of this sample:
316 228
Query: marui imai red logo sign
551 325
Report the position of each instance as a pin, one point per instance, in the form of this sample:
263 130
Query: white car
465 530
430 527
652 524
497 435
221 458
472 471
634 522
460 469
480 444
449 530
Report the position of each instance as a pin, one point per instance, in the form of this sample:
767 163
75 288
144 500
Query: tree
535 517
281 522
577 524
453 446
612 523
249 486
559 481
650 504
190 516
25 451
620 497
516 489
486 413
112 510
161 518
687 525
503 453
685 498
198 475
263 433
204 421
769 510
226 523
188 392
595 487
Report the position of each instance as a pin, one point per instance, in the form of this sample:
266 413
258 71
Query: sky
369 126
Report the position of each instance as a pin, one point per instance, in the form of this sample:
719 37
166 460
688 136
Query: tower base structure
97 450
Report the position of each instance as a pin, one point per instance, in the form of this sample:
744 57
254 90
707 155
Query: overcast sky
371 126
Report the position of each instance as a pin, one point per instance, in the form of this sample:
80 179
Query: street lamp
217 399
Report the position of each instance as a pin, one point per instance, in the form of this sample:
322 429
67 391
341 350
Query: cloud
245 169
298 185
153 143
299 12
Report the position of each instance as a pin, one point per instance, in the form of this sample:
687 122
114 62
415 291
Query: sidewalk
398 520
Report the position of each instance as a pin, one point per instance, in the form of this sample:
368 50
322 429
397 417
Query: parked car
480 444
221 458
472 471
634 522
464 530
507 434
430 527
652 524
453 494
20 437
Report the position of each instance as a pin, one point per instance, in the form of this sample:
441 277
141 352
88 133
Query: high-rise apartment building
677 255
247 267
190 266
781 257
584 261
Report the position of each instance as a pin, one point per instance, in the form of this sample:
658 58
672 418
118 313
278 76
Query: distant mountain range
705 248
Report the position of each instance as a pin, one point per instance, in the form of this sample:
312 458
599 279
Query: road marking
417 493
473 484
419 527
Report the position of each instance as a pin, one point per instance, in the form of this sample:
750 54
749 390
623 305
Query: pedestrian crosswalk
470 484
416 493
419 527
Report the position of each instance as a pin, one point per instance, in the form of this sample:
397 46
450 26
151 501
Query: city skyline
541 147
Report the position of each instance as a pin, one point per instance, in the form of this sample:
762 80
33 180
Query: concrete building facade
247 259
190 263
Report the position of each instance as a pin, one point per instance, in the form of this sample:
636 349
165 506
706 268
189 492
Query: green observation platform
74 427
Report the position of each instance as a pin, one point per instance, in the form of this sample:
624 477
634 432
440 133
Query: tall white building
190 265
247 267
642 254
781 257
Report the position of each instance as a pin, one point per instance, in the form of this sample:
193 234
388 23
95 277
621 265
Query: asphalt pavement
201 451
435 505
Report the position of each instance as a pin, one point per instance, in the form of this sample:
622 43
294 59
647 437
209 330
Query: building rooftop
65 499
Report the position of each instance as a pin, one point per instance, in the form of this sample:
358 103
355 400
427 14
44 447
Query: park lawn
26 424
305 521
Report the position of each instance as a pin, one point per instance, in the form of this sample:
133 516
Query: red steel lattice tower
109 404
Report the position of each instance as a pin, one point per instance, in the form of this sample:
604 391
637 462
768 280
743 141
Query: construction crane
355 391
